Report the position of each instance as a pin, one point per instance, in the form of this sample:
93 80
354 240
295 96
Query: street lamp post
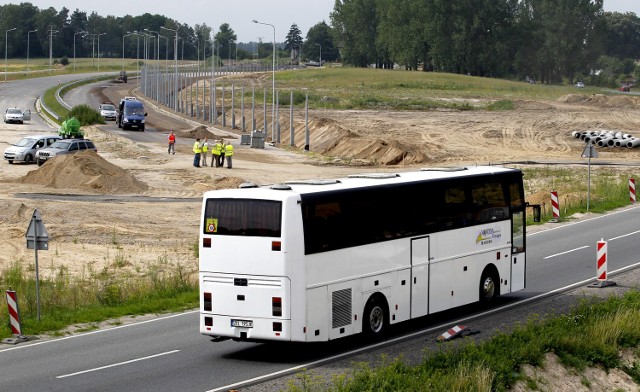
229 50
175 67
123 37
320 54
74 48
6 42
273 86
99 49
29 32
157 62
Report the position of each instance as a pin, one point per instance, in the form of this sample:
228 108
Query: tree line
70 34
549 41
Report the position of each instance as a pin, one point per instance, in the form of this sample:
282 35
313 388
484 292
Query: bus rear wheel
376 317
489 288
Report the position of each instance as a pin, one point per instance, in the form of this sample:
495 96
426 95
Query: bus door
518 260
419 276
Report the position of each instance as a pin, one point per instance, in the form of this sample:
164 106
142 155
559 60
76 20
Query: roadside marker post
632 190
451 333
601 266
555 206
14 319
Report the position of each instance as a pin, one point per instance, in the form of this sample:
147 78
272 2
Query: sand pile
618 101
200 132
86 171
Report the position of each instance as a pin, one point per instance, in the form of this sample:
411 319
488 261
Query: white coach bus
318 260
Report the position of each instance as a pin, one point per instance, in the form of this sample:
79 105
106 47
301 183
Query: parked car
108 111
64 146
15 115
25 149
580 85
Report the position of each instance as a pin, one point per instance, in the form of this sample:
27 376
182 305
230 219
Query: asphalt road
168 353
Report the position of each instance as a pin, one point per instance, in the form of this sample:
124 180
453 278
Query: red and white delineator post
14 319
555 205
632 190
601 266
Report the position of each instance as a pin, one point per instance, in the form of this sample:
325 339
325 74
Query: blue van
130 114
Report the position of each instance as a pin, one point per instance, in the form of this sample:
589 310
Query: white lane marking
624 235
117 364
406 337
564 253
28 345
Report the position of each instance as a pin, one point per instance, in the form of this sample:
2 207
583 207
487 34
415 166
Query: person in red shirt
172 143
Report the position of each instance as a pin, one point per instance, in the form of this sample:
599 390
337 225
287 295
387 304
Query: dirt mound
600 100
200 132
329 138
217 183
86 171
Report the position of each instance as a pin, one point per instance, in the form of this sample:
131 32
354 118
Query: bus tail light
206 242
277 327
208 302
208 321
276 246
276 306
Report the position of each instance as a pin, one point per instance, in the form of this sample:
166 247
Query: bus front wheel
489 285
376 317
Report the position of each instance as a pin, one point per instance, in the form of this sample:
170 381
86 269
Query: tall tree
293 42
319 38
355 29
225 38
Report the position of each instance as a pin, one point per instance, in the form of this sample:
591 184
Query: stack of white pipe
607 138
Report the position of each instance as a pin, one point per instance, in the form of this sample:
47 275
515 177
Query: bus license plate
242 323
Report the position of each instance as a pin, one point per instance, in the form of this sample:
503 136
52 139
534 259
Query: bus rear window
243 217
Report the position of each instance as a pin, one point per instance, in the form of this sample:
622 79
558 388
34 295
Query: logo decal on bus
211 225
487 236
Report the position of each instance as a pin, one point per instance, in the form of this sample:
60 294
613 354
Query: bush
86 115
64 60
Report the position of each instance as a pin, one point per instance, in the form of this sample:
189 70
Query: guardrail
62 102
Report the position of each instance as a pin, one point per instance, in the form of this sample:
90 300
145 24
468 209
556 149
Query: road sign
590 151
37 233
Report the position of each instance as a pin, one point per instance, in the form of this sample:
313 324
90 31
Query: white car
108 111
15 115
580 85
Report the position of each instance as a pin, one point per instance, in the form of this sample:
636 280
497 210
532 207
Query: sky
238 13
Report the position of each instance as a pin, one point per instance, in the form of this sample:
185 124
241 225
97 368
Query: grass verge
66 300
591 335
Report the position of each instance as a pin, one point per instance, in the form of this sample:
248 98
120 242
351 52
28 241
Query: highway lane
168 354
556 258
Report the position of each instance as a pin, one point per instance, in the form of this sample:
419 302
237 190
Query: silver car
108 111
64 146
15 115
25 149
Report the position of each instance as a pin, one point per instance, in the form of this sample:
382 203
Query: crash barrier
555 205
605 138
601 265
14 314
632 190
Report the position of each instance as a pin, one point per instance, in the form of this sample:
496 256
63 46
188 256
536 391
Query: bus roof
299 187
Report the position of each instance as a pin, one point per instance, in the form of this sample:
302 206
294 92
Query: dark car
64 146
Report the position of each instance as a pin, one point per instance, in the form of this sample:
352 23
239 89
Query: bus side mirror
536 211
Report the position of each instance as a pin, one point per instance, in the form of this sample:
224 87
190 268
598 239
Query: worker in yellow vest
197 150
205 151
215 150
228 152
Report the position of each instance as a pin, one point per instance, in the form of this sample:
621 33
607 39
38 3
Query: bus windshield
243 217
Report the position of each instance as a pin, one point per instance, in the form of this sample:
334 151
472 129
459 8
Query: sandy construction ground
132 205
